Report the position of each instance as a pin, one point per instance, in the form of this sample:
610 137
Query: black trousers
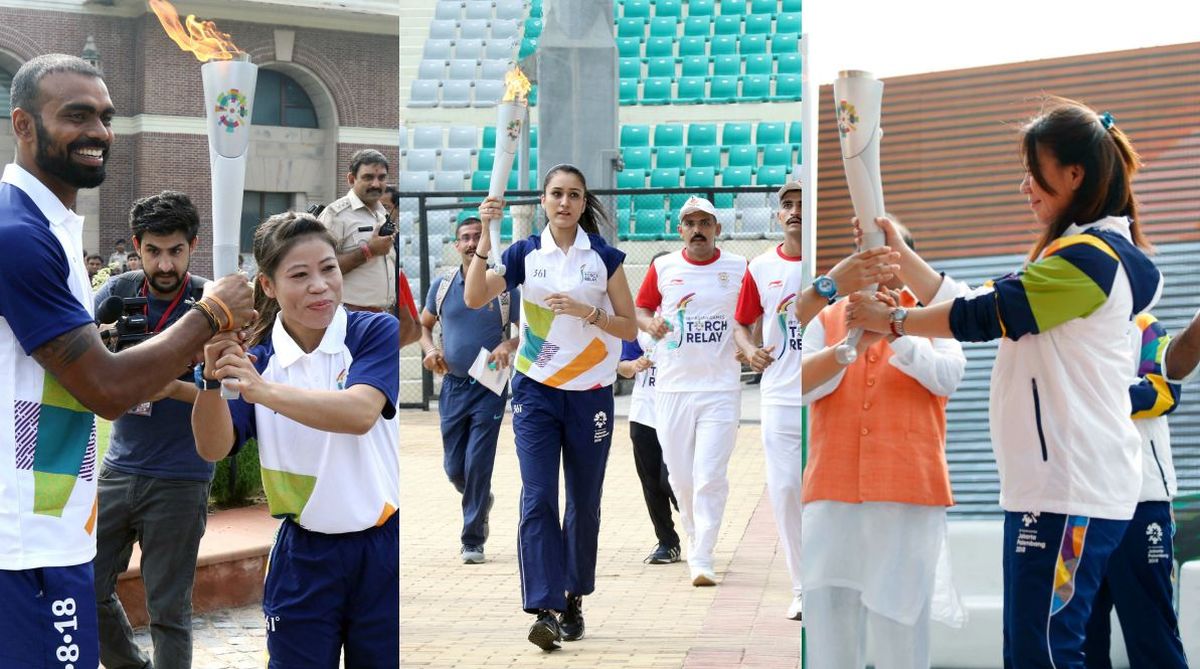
647 457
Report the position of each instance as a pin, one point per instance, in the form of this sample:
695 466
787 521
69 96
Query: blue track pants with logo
48 618
471 415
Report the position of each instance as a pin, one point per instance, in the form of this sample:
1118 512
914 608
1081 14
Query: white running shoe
796 610
702 576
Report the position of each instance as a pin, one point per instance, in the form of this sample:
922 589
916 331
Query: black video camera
129 316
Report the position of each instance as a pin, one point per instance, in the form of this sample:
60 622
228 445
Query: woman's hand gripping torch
512 115
859 98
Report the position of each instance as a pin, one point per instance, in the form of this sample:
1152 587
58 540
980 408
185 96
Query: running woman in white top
575 309
318 391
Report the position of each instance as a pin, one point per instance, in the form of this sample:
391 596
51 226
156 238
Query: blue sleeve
612 256
431 297
373 340
35 275
514 263
514 306
631 350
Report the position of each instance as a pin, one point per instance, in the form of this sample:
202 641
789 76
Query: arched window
5 87
279 100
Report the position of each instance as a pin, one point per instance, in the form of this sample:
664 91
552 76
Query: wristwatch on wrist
826 288
896 321
201 381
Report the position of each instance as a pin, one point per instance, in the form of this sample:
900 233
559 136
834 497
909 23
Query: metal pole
423 245
808 244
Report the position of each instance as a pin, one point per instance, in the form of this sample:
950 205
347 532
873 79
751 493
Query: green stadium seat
758 24
702 134
788 22
624 221
733 7
706 156
755 88
631 27
631 135
649 224
795 132
723 44
738 175
785 43
697 26
674 157
512 180
631 178
533 93
763 6
778 154
627 47
528 46
637 158
668 134
691 90
743 156
790 6
664 26
700 177
533 135
727 25
722 89
701 7
665 177
759 63
639 8
750 44
661 46
481 180
660 67
787 88
725 65
788 63
487 156
770 132
693 45
489 136
772 175
694 66
629 91
656 91
668 8
533 27
629 68
651 201
735 134
535 7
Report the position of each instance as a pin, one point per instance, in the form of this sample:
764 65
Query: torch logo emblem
847 118
231 105
513 130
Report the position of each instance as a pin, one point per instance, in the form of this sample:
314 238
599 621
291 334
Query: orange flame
200 38
516 86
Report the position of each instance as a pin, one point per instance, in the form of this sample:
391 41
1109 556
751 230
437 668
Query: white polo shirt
47 438
329 482
770 289
641 401
557 350
698 300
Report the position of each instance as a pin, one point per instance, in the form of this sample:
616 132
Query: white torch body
510 120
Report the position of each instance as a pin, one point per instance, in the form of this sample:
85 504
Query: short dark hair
132 254
95 256
392 194
163 214
470 220
367 157
25 83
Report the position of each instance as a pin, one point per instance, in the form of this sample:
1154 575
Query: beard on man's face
61 165
166 282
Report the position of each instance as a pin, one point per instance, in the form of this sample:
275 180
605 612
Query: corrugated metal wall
968 447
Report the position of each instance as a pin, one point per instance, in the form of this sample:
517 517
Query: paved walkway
455 615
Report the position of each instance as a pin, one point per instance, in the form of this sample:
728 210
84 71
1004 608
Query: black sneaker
663 554
571 621
545 633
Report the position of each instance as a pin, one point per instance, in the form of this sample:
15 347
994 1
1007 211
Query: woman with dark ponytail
1067 450
575 309
318 391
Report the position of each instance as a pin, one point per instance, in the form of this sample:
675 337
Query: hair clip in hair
1106 120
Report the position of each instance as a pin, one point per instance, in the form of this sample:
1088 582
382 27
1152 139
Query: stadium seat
530 44
533 93
631 27
694 45
723 44
702 134
723 89
759 63
415 182
638 8
503 30
489 136
794 134
478 9
735 134
668 134
431 69
448 180
770 132
403 138
778 155
788 63
790 6
701 7
458 160
691 90
700 177
788 22
424 93
649 224
665 177
749 44
489 91
656 91
427 137
637 157
533 27
627 47
448 10
699 26
787 88
668 8
629 91
733 7
763 6
456 93
439 29
661 46
664 26
629 68
694 66
725 65
738 175
473 29
468 49
628 178
785 43
511 10
758 24
421 160
727 25
706 156
743 156
487 156
674 157
533 136
755 88
462 69
660 67
772 175
494 68
499 48
481 180
437 49
535 7
635 135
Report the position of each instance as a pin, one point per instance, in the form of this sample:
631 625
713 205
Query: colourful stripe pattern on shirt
56 440
1152 396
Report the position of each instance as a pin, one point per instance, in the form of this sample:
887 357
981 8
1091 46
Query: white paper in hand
493 379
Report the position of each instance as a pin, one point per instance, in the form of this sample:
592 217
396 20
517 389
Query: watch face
824 286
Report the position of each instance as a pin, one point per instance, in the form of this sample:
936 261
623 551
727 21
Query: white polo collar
287 351
582 241
356 203
49 204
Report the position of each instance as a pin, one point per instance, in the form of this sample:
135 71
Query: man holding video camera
358 221
153 487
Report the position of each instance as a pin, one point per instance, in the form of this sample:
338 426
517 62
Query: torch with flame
229 78
512 115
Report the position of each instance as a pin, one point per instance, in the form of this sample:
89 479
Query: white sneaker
472 554
796 610
702 576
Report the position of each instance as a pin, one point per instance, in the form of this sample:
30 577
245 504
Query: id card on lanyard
146 408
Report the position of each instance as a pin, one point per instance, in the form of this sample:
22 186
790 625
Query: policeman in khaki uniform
367 258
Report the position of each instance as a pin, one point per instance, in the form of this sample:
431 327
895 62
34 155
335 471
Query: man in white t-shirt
698 401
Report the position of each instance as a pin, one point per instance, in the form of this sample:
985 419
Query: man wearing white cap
699 393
